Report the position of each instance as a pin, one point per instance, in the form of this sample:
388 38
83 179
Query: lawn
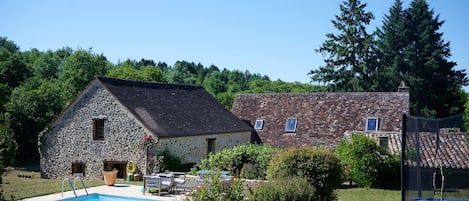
25 184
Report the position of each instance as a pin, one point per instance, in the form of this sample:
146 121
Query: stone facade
192 149
70 139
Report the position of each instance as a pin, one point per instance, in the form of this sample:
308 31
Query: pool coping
117 190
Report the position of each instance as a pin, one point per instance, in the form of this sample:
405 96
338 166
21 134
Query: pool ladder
73 185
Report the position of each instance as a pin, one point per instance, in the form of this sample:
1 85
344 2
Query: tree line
36 85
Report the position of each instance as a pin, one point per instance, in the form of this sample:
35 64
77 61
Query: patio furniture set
172 181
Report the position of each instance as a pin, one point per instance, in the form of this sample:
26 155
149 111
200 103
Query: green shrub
215 190
389 172
291 189
320 167
171 162
363 157
251 160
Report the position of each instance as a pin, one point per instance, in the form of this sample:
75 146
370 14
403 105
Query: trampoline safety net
434 159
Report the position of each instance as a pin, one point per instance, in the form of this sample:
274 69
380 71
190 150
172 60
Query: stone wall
70 139
194 148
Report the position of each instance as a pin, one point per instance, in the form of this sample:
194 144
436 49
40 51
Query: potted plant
110 177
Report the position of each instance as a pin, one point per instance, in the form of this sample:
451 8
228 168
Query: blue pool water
103 197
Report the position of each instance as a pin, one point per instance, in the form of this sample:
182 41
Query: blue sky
274 38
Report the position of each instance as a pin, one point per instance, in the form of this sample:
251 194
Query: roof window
290 125
372 124
259 125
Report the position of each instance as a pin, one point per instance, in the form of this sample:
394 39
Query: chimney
403 88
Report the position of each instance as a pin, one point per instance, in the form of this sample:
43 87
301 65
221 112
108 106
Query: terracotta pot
110 177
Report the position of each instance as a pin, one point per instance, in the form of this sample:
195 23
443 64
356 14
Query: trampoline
434 159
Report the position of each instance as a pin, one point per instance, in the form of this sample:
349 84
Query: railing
72 186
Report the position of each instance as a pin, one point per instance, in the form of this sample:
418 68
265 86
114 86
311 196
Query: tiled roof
172 110
453 152
322 117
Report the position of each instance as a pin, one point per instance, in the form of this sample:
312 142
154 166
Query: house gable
322 118
71 139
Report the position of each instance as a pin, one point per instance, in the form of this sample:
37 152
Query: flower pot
110 177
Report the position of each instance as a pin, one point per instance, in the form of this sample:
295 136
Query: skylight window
259 125
372 124
290 125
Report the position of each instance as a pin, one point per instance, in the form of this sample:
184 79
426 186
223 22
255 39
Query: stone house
321 119
105 127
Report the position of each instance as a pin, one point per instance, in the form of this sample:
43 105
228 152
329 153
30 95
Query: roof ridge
313 93
108 79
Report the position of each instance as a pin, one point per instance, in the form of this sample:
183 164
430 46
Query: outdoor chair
159 182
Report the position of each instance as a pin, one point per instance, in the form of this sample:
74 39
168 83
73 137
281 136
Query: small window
210 146
383 142
98 129
259 124
372 124
290 126
78 169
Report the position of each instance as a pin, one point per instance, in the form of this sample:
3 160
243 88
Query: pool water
103 197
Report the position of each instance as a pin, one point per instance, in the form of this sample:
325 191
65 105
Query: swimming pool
104 197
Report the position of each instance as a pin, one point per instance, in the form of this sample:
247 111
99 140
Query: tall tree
435 86
391 44
349 64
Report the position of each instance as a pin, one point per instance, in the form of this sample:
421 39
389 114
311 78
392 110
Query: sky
271 37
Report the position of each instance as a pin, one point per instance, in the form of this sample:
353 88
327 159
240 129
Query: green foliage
320 167
216 189
251 158
291 189
79 69
350 63
8 147
35 104
363 157
171 162
434 82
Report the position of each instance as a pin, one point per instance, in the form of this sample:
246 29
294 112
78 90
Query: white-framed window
290 125
259 125
372 124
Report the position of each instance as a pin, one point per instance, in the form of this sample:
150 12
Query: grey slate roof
174 110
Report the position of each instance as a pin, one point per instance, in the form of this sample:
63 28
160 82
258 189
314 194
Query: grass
17 188
368 194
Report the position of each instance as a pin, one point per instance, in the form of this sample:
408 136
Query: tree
391 45
349 64
434 83
79 69
32 106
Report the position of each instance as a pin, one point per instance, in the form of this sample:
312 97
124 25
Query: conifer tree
435 86
349 64
391 44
